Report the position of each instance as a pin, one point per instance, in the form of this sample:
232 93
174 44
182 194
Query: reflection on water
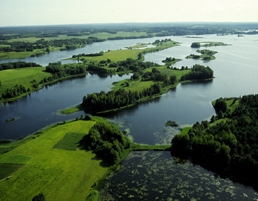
155 176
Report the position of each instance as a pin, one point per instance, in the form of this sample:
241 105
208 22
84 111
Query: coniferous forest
228 143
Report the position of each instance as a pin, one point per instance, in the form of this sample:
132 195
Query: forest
228 143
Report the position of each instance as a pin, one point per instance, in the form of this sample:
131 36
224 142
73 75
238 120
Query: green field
59 174
24 76
115 55
12 55
69 141
130 52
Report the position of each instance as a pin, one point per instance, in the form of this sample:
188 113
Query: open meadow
51 164
23 76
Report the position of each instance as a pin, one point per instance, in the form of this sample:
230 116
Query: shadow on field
102 163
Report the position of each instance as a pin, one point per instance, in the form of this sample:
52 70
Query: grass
10 165
232 103
24 76
204 55
105 35
116 55
14 55
71 110
120 55
69 141
59 174
7 169
138 85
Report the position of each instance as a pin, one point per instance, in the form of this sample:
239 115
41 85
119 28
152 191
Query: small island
205 55
207 44
170 61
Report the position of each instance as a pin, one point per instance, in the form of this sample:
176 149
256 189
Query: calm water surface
235 69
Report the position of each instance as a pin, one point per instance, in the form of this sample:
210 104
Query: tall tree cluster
107 141
99 102
198 72
228 143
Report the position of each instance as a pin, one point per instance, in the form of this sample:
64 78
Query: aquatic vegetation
155 176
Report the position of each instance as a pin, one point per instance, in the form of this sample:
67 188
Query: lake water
235 69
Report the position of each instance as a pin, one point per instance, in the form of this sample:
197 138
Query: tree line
99 102
228 143
107 141
64 44
18 64
110 67
14 92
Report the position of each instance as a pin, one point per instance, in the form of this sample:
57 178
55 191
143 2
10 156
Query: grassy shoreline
35 151
13 77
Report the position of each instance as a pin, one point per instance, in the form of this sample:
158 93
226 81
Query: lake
235 69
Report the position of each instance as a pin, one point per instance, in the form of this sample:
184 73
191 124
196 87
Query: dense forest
99 102
228 143
107 141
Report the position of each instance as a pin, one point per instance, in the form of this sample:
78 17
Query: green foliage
228 144
198 72
220 105
19 64
99 102
195 45
207 44
94 196
205 55
107 141
39 197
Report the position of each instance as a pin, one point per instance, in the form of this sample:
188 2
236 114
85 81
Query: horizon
66 12
128 23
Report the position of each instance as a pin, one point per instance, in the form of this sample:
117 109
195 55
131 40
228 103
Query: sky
51 12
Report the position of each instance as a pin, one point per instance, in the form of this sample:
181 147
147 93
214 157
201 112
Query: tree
196 45
220 105
39 197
